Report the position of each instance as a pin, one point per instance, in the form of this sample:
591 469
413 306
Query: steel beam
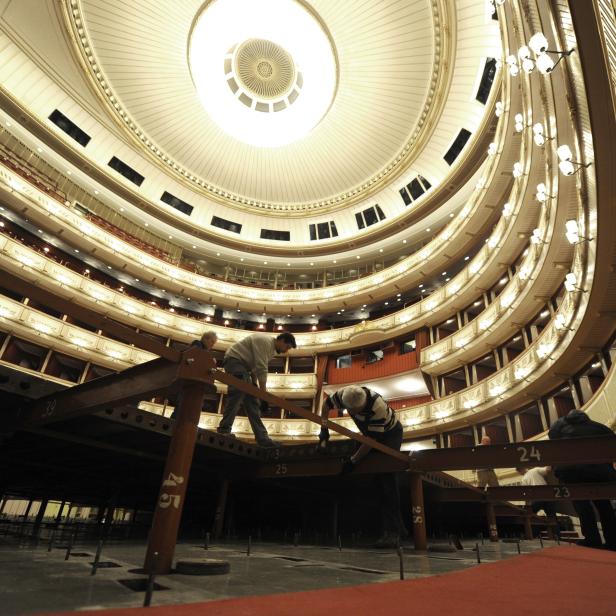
584 491
583 450
131 385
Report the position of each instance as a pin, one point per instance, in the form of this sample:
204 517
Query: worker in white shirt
247 359
538 476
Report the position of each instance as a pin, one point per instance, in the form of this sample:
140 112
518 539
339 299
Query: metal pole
417 506
219 515
69 547
477 550
249 545
52 536
518 544
149 590
168 513
339 543
492 527
206 543
401 559
36 531
97 557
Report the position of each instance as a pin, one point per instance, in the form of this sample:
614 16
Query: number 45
526 455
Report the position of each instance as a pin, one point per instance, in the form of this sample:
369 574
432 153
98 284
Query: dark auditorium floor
33 580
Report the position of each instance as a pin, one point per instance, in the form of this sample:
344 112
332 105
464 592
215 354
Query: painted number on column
173 480
281 469
562 492
526 454
417 515
169 500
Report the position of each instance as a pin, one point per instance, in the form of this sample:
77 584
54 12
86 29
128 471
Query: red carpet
561 581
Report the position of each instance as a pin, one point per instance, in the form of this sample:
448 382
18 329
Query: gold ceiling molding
444 23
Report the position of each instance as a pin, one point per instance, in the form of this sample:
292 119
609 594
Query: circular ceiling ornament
265 71
261 45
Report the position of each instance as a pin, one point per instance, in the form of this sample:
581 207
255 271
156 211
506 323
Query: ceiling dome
375 82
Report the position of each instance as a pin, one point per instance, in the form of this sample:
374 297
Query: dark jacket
574 425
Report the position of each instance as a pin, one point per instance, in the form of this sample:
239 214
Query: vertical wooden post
418 512
492 527
219 515
168 513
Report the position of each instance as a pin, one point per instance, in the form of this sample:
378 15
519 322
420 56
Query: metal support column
528 528
492 527
168 513
219 515
419 515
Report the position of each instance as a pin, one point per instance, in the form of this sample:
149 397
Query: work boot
229 434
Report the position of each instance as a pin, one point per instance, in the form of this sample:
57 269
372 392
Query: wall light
571 283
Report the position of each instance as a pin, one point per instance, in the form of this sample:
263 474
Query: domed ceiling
339 96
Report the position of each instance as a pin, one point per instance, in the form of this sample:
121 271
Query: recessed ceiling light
39 149
477 303
171 237
288 264
404 241
444 273
380 250
466 258
357 257
387 303
147 224
451 215
121 209
421 286
242 259
311 263
398 294
264 262
428 229
544 314
96 192
335 261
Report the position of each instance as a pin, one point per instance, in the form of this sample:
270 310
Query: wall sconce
539 45
536 237
519 122
571 283
518 170
539 136
566 165
527 64
560 323
542 193
499 109
491 149
507 209
572 233
512 63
